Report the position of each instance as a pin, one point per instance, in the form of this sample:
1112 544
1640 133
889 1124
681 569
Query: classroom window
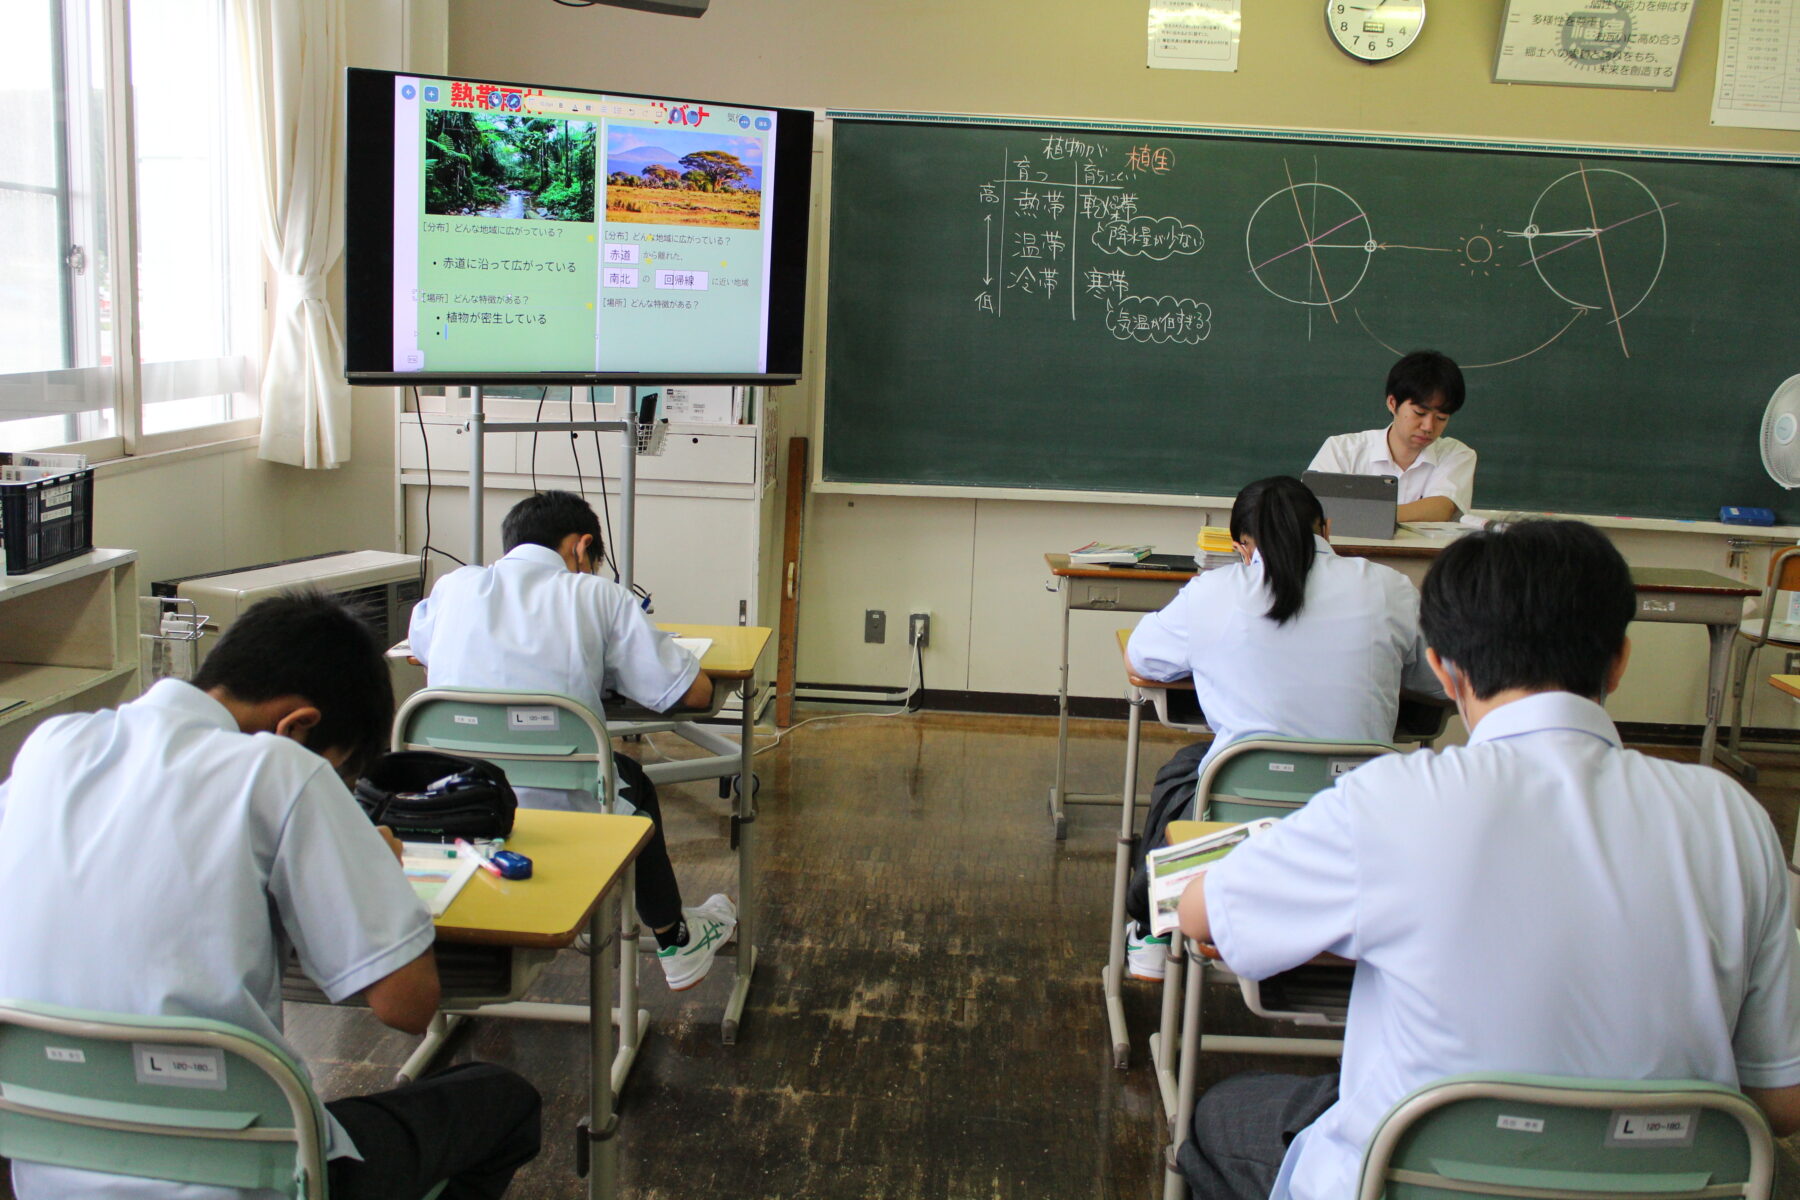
127 117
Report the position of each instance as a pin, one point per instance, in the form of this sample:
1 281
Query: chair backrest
1273 776
540 739
1778 594
176 1098
1523 1136
1784 571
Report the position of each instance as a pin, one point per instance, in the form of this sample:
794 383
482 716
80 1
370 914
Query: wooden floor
926 1020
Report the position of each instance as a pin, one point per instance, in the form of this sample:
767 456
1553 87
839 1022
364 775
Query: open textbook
1172 868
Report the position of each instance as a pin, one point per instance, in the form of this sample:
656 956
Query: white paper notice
1593 43
700 405
1758 82
1194 35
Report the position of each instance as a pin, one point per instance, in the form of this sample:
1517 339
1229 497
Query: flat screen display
505 233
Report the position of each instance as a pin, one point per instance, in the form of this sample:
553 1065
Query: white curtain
291 54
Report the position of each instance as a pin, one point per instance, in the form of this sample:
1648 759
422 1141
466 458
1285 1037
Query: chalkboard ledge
1788 534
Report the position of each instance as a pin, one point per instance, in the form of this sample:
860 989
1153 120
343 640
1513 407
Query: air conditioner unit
385 586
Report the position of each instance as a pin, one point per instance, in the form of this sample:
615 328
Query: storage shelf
41 687
92 563
68 642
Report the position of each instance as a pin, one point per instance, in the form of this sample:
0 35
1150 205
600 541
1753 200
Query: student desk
1665 594
730 662
1786 683
581 873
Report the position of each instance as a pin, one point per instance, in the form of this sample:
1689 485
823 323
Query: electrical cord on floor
915 685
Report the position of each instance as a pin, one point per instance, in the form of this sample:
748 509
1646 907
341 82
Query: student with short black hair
1436 473
178 844
1294 641
1540 901
541 619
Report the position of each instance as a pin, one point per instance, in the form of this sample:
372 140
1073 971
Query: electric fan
1781 434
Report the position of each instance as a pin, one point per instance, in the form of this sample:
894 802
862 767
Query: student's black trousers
473 1125
658 895
1171 799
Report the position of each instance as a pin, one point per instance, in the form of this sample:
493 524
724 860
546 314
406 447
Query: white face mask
1456 693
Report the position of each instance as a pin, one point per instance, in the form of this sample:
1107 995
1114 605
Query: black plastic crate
46 521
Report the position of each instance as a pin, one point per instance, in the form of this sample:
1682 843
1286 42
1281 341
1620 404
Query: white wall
976 564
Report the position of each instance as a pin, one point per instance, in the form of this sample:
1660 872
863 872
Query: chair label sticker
68 1054
1281 766
1521 1124
1653 1128
179 1066
465 719
1342 766
532 718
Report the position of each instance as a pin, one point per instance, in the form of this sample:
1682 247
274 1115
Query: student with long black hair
1294 641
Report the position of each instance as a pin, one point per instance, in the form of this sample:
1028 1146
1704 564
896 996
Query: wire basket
169 632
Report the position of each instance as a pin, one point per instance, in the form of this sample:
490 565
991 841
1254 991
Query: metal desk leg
1057 815
749 913
1187 1076
1113 974
631 1033
437 1036
1718 676
597 1147
1163 1044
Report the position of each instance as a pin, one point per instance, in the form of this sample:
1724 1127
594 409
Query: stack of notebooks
1215 548
1105 554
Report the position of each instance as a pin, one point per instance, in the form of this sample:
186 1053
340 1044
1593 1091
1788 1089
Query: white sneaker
710 926
1146 958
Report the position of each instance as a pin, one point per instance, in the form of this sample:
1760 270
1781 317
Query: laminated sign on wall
1593 43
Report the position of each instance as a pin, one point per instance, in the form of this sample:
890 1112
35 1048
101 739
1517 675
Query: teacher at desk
1436 473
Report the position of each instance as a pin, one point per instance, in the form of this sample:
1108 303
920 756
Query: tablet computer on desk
1160 562
1358 506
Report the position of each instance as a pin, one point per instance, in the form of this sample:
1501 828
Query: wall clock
1374 30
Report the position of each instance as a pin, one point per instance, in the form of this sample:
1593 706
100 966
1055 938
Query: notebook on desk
1358 506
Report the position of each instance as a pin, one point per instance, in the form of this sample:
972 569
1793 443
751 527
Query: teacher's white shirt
1539 901
1444 468
1334 671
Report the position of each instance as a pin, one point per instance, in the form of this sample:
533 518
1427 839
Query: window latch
76 260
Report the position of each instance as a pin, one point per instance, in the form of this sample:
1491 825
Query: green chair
177 1098
1538 1136
539 739
1273 776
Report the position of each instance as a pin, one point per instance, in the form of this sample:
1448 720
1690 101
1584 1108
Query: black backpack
423 795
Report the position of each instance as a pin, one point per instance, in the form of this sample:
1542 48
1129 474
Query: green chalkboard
1064 308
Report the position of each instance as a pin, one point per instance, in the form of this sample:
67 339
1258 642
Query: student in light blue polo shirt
176 846
1540 901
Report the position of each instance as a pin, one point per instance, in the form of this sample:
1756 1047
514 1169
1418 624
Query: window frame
122 380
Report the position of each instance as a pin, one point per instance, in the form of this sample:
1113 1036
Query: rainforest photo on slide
525 168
